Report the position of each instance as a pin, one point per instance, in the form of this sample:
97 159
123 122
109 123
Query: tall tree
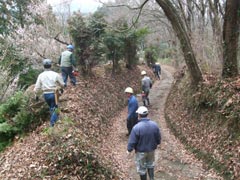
215 14
180 30
114 44
230 38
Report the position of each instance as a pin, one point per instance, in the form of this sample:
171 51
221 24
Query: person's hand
129 154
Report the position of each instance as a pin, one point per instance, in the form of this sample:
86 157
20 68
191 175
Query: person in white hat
146 86
144 139
132 117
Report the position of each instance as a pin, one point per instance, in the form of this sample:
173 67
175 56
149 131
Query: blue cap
70 47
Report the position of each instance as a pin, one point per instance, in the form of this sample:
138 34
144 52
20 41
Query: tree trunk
230 38
216 26
180 30
114 65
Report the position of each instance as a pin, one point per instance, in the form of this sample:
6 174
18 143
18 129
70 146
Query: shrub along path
173 161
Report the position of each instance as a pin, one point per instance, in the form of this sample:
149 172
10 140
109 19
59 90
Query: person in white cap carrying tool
132 117
144 139
49 82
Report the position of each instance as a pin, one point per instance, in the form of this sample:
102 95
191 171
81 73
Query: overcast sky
85 6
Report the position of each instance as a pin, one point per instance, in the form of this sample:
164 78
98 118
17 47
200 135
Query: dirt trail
173 161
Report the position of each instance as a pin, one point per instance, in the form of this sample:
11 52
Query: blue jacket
156 68
132 107
145 136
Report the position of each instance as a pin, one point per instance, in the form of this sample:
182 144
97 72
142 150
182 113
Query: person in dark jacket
132 117
144 139
157 70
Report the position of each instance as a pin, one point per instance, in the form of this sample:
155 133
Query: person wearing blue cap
49 82
67 64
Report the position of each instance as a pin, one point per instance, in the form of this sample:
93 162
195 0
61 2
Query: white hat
143 73
142 110
129 90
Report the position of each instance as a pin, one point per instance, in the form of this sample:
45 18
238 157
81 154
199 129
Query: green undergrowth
17 118
207 120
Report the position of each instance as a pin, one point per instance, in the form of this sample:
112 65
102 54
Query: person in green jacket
67 64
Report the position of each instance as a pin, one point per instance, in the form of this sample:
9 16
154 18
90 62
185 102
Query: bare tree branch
122 5
134 21
58 40
41 55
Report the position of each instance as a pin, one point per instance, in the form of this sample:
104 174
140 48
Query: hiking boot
151 173
148 102
144 104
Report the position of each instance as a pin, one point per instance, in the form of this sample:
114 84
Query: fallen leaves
211 124
71 149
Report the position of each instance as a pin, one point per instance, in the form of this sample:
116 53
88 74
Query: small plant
28 78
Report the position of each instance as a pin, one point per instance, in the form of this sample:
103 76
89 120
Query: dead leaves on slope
70 151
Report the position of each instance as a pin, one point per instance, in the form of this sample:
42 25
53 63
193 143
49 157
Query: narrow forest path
173 161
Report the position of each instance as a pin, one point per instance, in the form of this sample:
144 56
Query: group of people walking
144 134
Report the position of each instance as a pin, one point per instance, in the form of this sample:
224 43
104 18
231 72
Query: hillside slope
89 141
207 121
67 151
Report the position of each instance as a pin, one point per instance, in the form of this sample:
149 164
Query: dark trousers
145 98
157 74
130 123
67 71
50 100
